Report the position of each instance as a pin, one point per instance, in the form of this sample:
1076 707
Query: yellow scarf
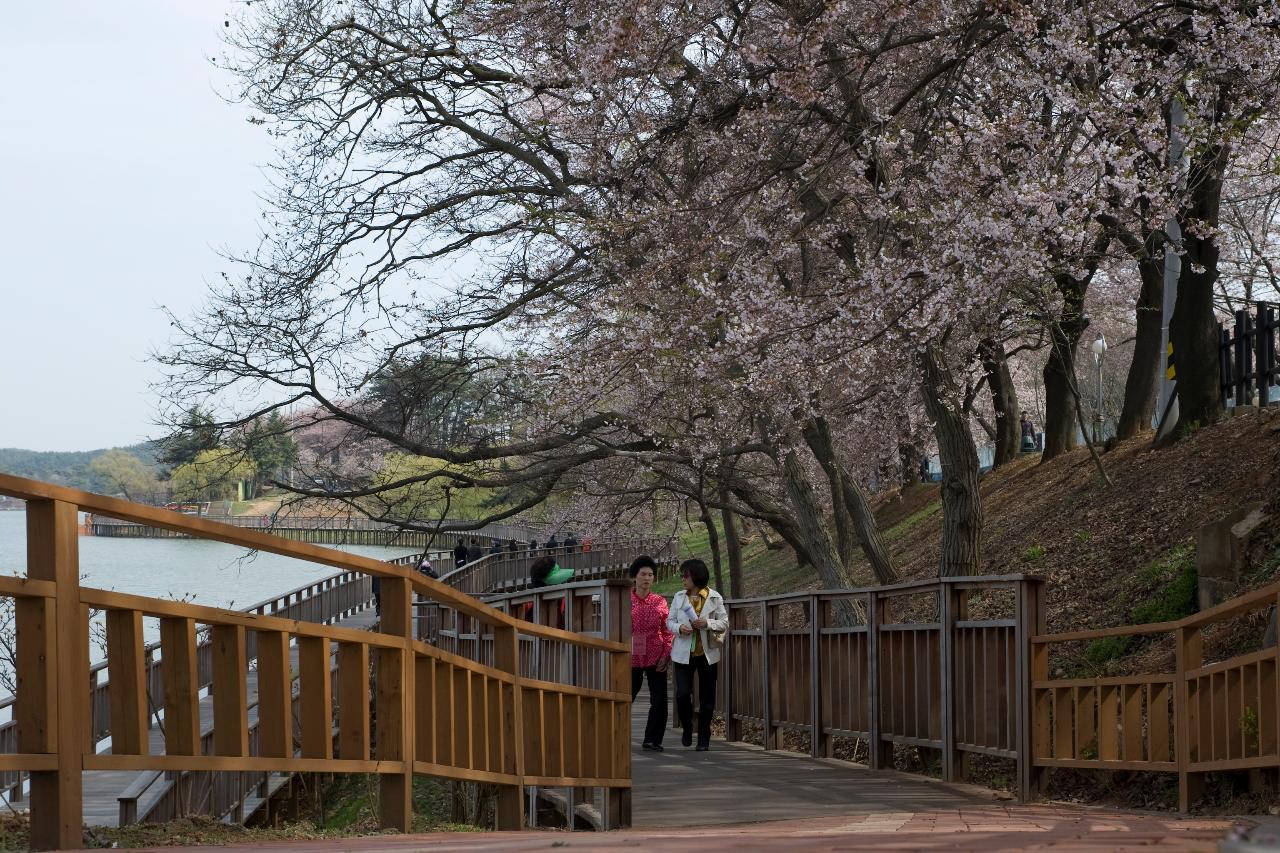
698 600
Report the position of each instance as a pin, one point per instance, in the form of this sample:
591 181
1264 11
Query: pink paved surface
988 827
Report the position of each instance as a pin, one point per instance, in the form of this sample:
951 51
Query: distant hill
66 468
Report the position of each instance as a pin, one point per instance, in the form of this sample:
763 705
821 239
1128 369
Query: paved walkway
1060 829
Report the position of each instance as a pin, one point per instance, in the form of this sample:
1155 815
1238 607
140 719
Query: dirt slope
1104 550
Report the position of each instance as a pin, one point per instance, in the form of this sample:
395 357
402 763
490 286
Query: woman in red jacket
650 648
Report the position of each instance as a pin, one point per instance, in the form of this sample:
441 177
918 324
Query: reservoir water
211 573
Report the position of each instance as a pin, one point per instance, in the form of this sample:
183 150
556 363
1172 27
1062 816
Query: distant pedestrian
377 595
1028 434
425 567
552 544
513 546
698 619
496 547
474 552
460 555
570 542
533 544
543 573
650 648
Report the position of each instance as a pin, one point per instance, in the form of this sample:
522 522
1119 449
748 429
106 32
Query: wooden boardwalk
734 783
103 787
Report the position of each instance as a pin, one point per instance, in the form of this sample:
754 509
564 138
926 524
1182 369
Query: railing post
1031 665
506 657
52 706
617 628
728 665
819 743
877 755
947 606
395 706
1265 358
1188 654
766 678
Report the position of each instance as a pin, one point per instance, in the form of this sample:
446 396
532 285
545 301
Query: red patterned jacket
650 636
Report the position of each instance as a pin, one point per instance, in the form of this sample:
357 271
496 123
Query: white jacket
717 620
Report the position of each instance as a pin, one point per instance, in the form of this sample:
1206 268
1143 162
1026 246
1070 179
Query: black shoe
703 747
687 738
654 747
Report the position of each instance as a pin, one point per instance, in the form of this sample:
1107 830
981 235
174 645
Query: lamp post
1099 348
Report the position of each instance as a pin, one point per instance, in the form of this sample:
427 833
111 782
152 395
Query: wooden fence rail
938 663
1190 718
424 709
324 601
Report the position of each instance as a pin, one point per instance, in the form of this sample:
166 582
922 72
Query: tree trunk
1143 381
1004 400
1064 337
854 511
909 457
961 500
733 545
817 542
1193 328
713 539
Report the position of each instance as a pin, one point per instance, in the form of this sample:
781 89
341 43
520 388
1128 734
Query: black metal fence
1247 356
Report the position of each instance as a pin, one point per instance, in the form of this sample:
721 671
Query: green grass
1173 577
764 571
902 528
1033 554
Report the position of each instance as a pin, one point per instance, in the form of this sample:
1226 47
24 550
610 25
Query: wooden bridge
324 530
528 690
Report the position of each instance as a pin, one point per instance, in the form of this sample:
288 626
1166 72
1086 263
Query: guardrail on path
476 728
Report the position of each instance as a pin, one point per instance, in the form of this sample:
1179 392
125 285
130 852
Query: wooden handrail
30 490
1192 719
471 728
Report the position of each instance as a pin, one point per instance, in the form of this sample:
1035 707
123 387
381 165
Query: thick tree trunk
1193 328
808 516
713 540
733 545
1064 337
961 500
1004 400
853 510
1143 381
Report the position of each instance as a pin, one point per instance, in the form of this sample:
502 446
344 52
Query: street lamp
1099 348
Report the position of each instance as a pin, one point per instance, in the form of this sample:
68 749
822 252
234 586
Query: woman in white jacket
696 614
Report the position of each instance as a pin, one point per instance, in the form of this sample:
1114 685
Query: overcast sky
125 174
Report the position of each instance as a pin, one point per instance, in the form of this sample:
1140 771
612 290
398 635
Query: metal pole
1167 407
1097 411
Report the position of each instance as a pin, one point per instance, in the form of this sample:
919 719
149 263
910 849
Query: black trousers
656 726
706 673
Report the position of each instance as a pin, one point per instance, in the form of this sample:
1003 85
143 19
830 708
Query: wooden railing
939 663
495 572
437 712
323 601
596 608
1190 717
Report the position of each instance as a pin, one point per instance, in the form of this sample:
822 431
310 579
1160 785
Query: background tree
213 475
126 474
